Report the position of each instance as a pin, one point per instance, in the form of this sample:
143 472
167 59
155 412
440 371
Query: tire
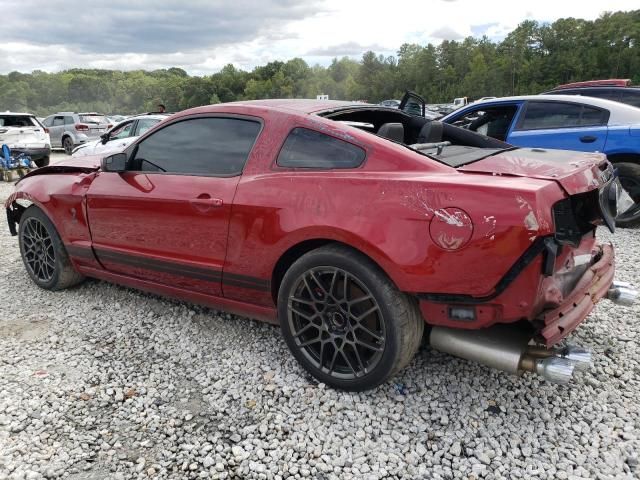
43 162
351 342
67 144
43 253
629 174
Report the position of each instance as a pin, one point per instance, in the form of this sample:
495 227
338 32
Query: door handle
588 139
206 200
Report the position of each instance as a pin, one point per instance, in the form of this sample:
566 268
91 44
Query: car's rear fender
389 218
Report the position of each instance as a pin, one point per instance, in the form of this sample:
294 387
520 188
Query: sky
203 36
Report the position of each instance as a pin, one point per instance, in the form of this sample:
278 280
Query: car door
165 219
413 104
561 125
56 129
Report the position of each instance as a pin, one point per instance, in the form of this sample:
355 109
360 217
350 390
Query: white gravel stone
101 381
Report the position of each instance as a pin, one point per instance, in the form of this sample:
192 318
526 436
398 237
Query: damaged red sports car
351 226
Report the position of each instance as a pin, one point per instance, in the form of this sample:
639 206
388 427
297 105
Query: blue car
566 122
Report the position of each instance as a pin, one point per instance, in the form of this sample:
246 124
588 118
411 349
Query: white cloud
312 31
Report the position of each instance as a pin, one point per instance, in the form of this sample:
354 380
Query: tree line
532 58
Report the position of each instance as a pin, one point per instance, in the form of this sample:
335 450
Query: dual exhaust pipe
622 293
506 347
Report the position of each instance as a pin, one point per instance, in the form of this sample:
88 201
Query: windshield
97 119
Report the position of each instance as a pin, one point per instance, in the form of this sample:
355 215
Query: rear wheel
629 174
43 253
67 144
345 321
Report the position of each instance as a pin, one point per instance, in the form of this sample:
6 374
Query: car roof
17 114
153 116
620 113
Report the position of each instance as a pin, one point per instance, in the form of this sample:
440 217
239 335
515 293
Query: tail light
109 126
81 127
46 130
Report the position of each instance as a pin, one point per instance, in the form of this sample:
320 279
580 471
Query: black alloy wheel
39 252
345 321
336 322
43 253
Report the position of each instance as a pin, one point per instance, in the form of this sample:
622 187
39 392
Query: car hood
576 172
88 164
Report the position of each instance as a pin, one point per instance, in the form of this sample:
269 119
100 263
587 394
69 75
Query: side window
122 131
57 121
541 115
68 120
631 97
199 146
144 125
306 148
491 121
48 121
593 116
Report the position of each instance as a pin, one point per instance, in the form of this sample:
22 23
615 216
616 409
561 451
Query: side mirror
105 137
114 163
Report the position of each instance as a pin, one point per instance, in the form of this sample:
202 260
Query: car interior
408 129
446 143
491 121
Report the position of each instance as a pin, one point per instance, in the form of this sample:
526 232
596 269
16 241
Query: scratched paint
490 224
451 228
530 220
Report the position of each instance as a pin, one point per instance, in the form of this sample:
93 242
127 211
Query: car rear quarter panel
388 218
619 141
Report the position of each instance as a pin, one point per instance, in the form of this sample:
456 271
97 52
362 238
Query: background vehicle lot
105 382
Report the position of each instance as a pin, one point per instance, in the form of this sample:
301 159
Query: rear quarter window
306 148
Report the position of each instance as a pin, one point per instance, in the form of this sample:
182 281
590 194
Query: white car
120 136
23 133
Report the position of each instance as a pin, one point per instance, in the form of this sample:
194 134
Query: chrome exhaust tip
622 293
578 356
555 369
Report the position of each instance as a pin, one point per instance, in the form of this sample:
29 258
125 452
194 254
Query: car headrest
431 132
392 131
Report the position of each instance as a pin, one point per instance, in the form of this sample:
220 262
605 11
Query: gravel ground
105 382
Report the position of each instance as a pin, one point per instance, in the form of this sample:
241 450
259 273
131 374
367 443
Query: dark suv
618 90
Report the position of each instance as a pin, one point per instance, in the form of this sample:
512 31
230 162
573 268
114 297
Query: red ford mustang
349 225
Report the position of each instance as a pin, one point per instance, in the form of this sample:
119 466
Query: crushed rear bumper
590 288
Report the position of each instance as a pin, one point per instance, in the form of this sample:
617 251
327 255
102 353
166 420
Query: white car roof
620 113
17 114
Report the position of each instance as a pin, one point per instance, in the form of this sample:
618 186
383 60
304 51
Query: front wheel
42 162
43 252
345 321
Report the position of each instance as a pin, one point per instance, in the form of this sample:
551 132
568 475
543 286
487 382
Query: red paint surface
385 209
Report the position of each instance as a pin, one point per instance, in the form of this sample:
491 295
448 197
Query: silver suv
68 129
